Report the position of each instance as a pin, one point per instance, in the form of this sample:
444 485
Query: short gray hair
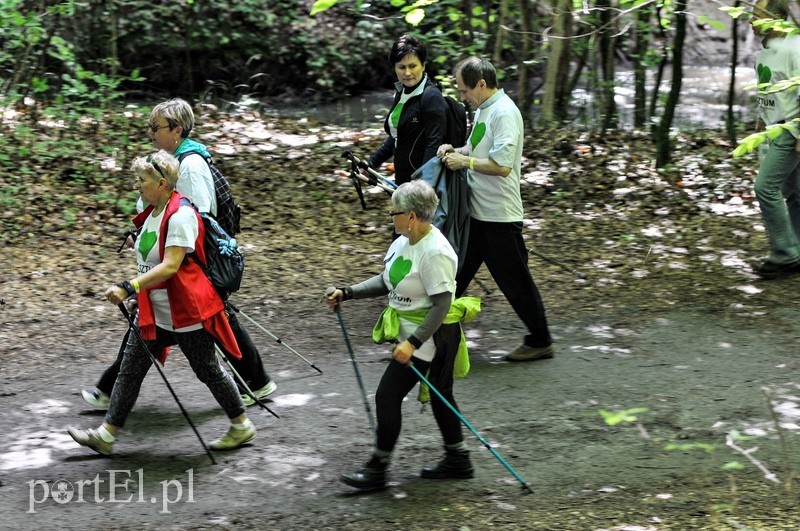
176 112
418 197
157 165
473 69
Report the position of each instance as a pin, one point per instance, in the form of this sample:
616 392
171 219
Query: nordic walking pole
559 264
338 311
525 486
273 336
221 355
132 326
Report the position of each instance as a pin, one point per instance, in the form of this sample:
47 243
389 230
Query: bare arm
455 160
173 257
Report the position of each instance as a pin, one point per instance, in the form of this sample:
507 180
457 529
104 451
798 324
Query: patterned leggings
197 346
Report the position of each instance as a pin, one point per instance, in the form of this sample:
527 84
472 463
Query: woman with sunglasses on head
178 305
419 278
169 127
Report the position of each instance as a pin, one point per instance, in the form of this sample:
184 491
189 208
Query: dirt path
699 372
670 322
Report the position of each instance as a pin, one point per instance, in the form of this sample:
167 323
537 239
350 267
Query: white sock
244 425
105 435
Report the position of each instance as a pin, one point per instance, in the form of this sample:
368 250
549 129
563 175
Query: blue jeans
778 191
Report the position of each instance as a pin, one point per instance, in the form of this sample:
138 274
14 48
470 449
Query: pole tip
526 489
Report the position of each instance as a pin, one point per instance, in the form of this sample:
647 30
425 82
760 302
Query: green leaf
734 12
703 19
322 5
733 465
415 16
612 418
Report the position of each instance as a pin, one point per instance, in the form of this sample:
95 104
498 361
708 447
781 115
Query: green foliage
612 418
687 447
322 5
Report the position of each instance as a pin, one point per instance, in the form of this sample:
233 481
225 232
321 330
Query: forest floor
672 403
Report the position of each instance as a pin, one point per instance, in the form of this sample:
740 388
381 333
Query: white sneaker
262 393
235 437
91 439
95 398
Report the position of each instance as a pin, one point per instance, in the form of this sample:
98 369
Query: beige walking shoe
235 437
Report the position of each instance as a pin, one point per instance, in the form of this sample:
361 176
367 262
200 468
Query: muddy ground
671 332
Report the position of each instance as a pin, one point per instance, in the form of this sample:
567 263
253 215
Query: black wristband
347 293
414 341
127 286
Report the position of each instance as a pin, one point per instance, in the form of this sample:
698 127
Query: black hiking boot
371 477
455 464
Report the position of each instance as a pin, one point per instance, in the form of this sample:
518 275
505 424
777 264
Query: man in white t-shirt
493 158
777 184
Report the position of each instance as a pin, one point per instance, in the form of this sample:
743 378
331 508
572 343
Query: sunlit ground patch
33 449
293 400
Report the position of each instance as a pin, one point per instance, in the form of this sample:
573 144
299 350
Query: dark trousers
250 367
398 380
501 247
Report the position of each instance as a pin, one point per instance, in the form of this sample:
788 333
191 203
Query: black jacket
420 132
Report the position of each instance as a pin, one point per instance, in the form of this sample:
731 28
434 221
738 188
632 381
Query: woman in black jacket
417 120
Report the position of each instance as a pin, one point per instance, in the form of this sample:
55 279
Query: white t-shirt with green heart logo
182 232
497 135
778 61
413 273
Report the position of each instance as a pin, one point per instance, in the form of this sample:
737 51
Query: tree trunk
729 118
557 85
661 66
606 42
499 38
663 145
523 96
465 37
114 28
640 66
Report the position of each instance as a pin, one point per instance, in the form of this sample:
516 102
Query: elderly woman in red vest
177 305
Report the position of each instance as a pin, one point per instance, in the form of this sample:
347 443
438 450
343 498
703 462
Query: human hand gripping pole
338 311
132 327
525 486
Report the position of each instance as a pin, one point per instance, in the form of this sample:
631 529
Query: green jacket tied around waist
462 310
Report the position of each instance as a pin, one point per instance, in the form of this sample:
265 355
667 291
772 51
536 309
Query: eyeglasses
153 163
393 214
156 128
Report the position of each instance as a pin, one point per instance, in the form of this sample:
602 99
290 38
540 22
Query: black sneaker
770 270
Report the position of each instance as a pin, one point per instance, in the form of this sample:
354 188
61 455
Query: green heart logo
477 134
396 114
147 240
400 268
764 74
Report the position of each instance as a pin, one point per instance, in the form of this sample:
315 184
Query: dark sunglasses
153 163
156 128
